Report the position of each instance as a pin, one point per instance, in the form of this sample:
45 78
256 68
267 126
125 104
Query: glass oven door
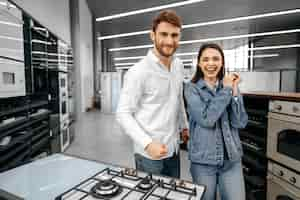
283 144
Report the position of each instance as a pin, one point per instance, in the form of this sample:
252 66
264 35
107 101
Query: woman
216 112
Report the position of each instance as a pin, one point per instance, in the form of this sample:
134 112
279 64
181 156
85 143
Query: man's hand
185 135
156 150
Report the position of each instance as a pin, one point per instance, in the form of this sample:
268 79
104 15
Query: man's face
166 38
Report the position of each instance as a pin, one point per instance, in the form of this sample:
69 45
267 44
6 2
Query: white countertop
47 178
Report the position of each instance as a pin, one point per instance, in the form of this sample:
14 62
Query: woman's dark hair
199 74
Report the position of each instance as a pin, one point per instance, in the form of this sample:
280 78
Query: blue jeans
168 166
228 177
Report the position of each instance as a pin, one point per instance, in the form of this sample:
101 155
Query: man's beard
160 50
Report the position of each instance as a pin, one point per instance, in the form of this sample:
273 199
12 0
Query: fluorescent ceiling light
187 54
123 35
196 53
123 67
241 36
11 38
222 21
128 58
146 10
265 55
213 39
250 17
11 24
131 47
140 57
7 4
275 47
186 60
123 64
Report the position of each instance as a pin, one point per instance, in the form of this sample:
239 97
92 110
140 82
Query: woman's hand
228 80
236 81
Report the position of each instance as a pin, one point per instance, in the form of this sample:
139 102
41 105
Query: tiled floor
98 137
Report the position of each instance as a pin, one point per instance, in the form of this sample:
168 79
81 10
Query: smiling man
151 107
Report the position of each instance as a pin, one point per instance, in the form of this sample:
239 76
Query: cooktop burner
117 183
145 184
106 189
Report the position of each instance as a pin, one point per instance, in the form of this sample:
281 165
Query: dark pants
168 167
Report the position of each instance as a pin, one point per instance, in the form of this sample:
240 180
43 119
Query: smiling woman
216 112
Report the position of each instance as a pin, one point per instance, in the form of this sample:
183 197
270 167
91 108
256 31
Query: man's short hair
168 16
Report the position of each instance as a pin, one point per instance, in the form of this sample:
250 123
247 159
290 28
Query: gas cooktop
129 184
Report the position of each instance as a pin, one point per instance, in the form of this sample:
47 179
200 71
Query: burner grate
130 184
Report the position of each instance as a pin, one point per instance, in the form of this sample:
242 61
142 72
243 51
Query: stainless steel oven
283 144
283 184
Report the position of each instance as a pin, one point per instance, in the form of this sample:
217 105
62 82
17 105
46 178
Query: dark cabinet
254 141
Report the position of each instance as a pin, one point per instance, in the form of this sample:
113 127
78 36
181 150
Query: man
151 107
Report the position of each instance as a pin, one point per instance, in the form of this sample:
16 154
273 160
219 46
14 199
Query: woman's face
210 63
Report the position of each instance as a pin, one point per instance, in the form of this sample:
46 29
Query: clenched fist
156 150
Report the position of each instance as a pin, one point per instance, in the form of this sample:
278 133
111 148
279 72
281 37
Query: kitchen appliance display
123 183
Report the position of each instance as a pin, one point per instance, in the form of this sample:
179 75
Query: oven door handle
274 179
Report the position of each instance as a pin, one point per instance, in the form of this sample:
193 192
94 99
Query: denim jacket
213 115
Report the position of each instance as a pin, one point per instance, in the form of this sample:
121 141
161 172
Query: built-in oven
282 183
283 144
12 78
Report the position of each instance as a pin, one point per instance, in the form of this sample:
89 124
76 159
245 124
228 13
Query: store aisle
98 137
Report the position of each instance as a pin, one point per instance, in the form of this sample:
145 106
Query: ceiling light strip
123 67
124 35
187 61
132 47
123 64
128 58
11 24
140 57
7 4
146 10
187 54
11 38
222 21
266 55
196 53
213 39
275 47
241 36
